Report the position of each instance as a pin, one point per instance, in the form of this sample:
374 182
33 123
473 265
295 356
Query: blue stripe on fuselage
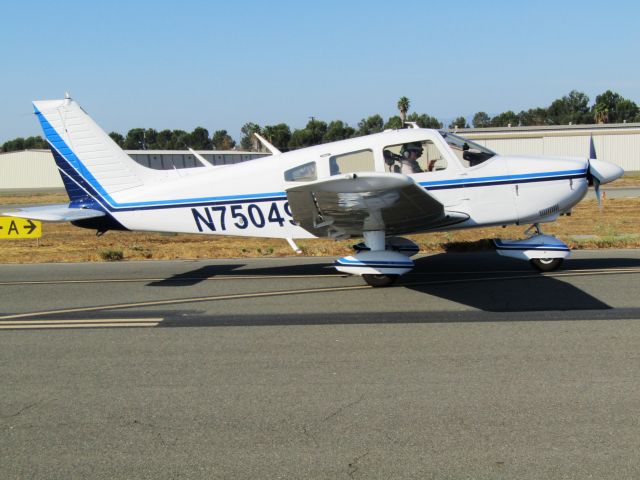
504 179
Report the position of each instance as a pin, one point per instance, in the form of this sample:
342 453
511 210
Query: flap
349 204
54 213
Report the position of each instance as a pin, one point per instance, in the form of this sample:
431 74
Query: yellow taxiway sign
13 228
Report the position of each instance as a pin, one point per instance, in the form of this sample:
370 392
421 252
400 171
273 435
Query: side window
360 161
302 173
414 157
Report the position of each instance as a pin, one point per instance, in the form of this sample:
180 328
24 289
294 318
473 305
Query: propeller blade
604 172
596 186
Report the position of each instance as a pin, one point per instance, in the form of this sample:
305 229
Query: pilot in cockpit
410 152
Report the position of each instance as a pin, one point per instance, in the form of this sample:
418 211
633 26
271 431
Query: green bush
111 254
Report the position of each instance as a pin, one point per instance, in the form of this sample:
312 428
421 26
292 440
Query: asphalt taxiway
473 366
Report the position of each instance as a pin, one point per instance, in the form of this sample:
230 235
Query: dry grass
630 179
615 226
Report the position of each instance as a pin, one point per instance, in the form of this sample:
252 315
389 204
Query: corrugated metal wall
615 146
36 169
621 149
29 169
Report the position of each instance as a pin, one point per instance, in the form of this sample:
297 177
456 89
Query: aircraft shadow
201 274
484 281
493 283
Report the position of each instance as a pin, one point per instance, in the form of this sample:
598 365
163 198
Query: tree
35 142
372 124
338 130
118 138
164 140
601 113
318 129
222 141
179 140
278 135
626 111
394 123
459 122
481 120
134 139
505 119
403 107
150 139
249 140
13 145
611 107
533 116
572 108
199 139
424 121
312 134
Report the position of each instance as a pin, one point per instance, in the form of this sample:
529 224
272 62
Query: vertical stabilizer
87 157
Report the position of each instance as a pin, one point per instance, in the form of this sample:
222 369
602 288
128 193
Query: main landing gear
379 280
544 252
379 262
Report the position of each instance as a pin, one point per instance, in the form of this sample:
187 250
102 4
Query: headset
406 149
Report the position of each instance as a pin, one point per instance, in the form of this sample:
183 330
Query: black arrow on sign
32 226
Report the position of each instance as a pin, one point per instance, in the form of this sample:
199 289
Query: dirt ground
615 225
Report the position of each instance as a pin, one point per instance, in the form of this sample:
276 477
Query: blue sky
219 65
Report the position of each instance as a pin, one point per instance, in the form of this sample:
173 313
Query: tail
92 166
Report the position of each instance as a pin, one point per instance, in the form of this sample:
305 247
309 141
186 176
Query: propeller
600 172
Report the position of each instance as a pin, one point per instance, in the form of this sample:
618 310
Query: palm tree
403 106
601 113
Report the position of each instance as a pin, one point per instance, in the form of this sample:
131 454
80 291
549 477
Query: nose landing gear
546 264
545 252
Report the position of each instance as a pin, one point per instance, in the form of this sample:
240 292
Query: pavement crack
341 409
155 431
21 411
309 435
354 465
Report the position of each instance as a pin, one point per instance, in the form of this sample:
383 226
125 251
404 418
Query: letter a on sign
13 228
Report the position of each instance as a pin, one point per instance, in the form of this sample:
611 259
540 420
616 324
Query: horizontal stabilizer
54 213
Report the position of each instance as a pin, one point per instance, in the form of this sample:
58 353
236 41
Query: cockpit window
469 153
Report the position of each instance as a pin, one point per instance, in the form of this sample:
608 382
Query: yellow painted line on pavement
78 325
85 323
112 320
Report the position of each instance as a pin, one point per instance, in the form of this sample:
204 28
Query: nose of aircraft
604 172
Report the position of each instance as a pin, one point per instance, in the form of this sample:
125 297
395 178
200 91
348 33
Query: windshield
469 153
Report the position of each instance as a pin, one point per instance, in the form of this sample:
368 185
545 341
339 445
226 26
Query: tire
546 264
380 280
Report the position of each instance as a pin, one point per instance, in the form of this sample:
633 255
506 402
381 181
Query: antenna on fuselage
203 161
267 145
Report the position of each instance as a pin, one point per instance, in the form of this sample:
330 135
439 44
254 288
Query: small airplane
378 186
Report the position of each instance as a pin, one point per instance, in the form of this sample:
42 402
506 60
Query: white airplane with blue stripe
377 187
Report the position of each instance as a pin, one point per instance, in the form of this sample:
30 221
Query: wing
54 213
349 204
